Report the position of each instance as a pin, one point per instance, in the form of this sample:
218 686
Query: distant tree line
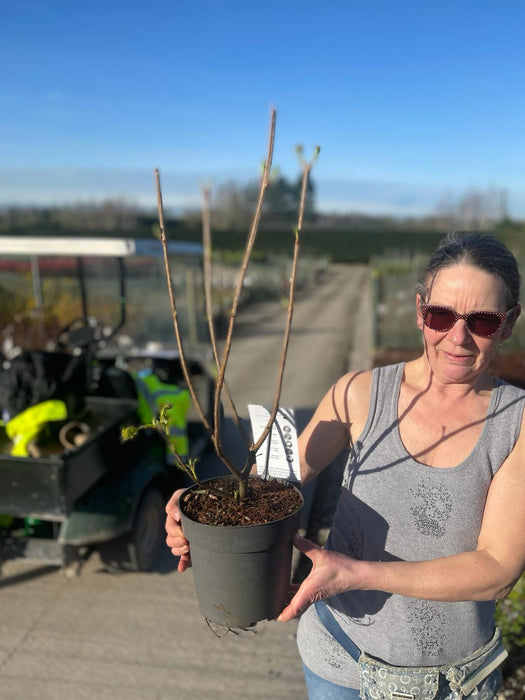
232 204
345 238
112 215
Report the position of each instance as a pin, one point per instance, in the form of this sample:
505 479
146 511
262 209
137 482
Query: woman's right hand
179 545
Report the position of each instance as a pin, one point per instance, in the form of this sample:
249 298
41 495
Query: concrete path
140 636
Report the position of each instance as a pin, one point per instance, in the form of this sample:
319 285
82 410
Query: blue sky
412 102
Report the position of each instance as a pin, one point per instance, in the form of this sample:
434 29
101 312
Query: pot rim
295 485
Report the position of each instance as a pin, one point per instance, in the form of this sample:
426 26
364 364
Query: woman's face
457 355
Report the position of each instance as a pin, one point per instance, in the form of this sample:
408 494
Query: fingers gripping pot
242 573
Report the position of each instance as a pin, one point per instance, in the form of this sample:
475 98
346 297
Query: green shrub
510 616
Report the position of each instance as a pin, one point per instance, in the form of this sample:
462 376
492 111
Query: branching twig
221 363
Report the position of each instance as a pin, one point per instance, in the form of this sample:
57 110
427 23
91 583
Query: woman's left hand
331 574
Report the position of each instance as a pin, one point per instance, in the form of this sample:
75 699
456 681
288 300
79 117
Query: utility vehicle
82 322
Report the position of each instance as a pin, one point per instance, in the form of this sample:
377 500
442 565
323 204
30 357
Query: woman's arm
487 573
331 429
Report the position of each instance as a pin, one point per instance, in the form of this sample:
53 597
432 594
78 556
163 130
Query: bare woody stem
306 167
207 265
265 180
206 242
173 304
213 431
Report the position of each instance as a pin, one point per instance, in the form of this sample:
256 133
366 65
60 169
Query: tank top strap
503 422
384 396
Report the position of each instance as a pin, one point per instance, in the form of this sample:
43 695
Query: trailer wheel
137 550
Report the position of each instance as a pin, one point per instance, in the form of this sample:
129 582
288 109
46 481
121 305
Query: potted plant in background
240 526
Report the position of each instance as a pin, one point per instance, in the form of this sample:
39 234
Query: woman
429 527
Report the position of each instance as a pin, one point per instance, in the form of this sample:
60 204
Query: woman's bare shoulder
351 393
354 385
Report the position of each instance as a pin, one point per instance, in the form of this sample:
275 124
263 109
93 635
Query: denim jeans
319 689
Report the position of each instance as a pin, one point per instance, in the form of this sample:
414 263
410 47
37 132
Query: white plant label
278 456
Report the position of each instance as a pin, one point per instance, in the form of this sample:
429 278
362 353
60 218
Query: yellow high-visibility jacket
153 394
26 425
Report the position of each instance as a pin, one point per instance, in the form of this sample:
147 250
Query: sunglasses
482 323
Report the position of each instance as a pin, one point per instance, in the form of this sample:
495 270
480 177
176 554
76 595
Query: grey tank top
393 508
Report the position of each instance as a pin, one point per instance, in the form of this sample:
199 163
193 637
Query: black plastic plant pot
242 573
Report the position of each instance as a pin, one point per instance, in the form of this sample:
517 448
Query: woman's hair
479 250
